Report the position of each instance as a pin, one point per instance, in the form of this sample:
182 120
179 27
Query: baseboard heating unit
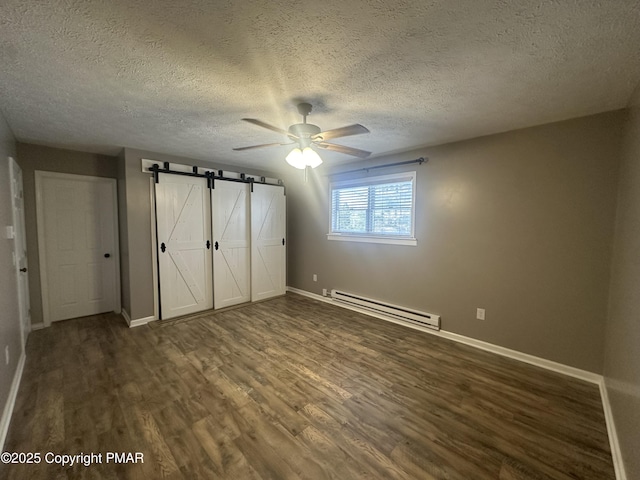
384 309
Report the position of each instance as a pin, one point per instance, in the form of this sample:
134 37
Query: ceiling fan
307 135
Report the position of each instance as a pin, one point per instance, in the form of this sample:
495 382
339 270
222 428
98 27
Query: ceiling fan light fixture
309 135
295 158
307 157
311 158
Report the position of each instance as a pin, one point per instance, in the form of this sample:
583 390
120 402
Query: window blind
379 207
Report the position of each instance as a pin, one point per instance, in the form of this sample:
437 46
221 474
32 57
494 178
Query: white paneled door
183 220
77 240
20 248
230 207
268 249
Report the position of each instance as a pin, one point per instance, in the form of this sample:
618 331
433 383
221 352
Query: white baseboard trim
11 401
523 357
616 453
126 316
315 296
37 326
138 322
489 347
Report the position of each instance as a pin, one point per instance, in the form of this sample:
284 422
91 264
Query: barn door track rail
210 175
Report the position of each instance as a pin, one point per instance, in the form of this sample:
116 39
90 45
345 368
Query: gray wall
622 354
138 268
9 313
519 223
36 157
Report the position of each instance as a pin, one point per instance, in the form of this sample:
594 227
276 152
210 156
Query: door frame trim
40 177
154 250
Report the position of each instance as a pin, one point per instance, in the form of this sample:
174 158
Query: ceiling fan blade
262 124
261 146
355 129
343 149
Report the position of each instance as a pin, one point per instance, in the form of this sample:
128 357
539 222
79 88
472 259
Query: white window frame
372 238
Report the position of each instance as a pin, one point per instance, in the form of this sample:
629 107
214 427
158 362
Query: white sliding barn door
231 238
78 245
183 220
268 251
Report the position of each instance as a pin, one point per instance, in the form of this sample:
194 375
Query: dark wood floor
294 388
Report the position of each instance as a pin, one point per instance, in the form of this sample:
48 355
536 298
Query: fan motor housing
304 130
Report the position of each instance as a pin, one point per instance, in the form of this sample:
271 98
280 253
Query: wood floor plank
357 442
334 461
143 427
295 388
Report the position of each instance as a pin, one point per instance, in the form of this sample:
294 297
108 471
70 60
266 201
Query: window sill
370 239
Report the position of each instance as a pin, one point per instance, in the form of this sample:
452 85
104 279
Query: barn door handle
163 247
215 245
283 241
208 244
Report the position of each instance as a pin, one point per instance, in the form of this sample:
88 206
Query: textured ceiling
177 76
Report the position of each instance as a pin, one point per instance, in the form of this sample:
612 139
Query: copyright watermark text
70 460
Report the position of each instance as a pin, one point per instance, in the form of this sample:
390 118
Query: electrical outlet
315 277
324 292
6 354
480 313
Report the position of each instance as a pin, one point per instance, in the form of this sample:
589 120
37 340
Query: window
375 209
